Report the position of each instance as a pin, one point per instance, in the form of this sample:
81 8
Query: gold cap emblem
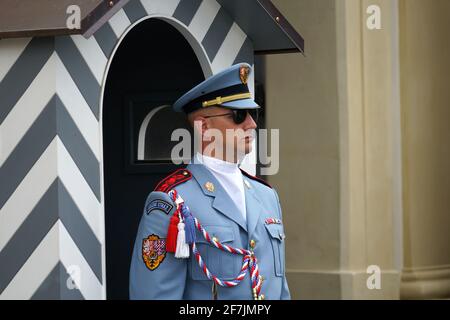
243 74
209 186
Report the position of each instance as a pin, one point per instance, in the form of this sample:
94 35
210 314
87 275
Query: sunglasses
239 115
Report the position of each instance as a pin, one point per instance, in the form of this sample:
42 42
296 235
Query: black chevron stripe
53 120
77 227
216 33
245 54
134 10
77 147
23 72
186 10
54 287
27 151
29 235
55 204
106 39
79 71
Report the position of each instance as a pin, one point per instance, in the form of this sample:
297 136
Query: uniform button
252 243
185 173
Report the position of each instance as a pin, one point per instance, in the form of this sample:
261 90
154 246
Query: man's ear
203 122
200 124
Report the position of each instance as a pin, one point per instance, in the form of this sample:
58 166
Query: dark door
153 66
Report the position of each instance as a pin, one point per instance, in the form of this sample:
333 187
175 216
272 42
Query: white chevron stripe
163 7
73 261
28 193
27 109
10 50
203 18
92 54
79 190
229 49
36 269
77 107
119 22
55 161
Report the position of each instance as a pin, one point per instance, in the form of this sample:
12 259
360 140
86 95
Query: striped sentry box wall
51 195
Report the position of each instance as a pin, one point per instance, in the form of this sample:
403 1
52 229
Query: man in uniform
212 231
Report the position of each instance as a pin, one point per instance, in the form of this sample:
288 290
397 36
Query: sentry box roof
259 19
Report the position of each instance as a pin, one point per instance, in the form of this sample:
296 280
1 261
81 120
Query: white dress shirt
229 176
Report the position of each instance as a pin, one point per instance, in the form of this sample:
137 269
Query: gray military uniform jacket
156 274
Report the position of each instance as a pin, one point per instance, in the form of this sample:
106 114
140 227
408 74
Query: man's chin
246 150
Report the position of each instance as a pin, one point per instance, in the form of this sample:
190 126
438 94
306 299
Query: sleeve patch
153 251
158 204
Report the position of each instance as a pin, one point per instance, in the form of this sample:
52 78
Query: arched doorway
151 68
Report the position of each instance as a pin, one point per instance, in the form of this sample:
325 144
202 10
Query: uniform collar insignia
222 201
209 186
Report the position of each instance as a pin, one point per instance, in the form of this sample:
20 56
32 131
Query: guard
211 230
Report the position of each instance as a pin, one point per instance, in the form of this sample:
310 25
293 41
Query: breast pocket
276 235
222 264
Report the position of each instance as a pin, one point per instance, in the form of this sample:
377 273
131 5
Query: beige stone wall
302 100
370 149
365 169
425 79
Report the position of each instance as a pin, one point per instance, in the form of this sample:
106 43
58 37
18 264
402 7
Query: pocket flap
276 231
222 233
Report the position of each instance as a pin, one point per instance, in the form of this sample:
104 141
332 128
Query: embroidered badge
243 74
273 221
159 204
153 251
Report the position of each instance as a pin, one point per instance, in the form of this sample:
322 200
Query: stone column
339 182
425 65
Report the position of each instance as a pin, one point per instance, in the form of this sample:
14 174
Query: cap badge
243 74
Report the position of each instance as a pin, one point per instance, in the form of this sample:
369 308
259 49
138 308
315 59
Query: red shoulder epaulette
248 175
173 179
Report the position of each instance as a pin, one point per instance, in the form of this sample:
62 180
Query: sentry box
85 125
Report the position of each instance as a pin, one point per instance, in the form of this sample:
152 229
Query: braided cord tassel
189 223
172 233
182 250
249 261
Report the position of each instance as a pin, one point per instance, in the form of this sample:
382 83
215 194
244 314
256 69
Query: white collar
216 164
229 176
